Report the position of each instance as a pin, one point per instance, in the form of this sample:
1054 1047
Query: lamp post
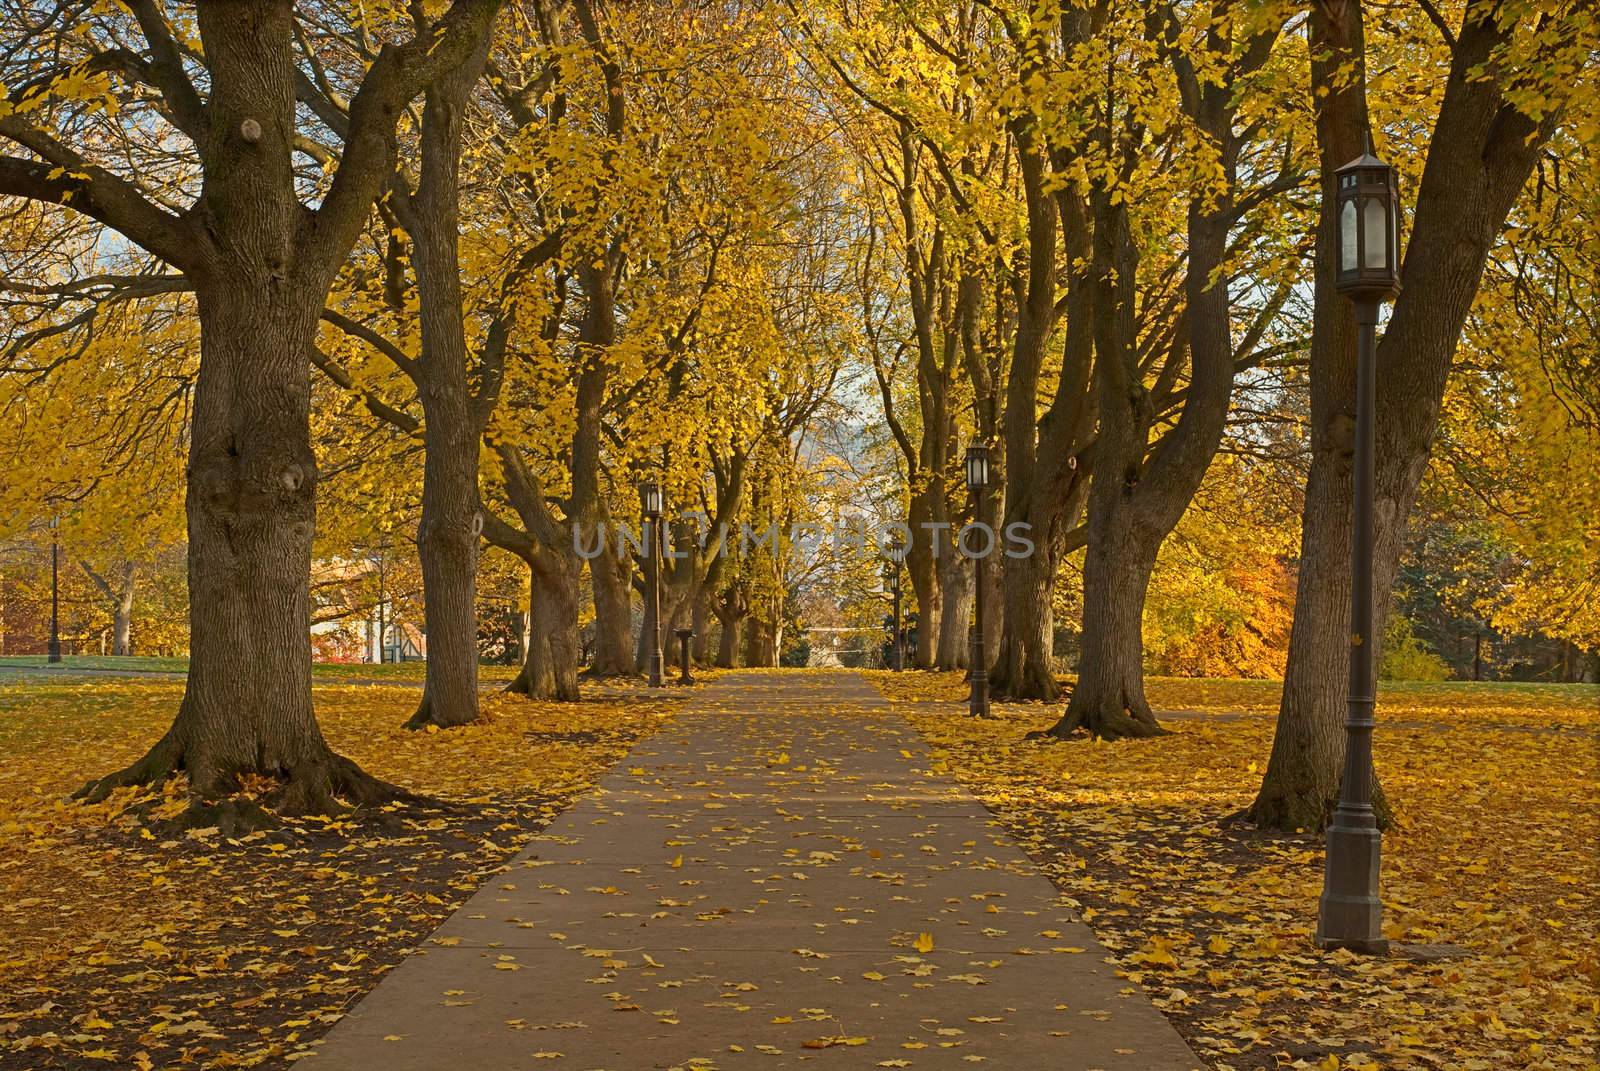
54 654
1368 273
650 507
891 579
684 636
978 483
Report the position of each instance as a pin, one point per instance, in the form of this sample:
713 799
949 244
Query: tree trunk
1022 668
954 646
924 557
447 537
1023 665
122 622
728 642
761 645
1108 701
251 507
700 621
1479 157
121 605
550 665
1302 780
613 613
262 263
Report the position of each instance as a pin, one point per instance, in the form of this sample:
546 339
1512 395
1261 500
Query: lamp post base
1350 914
655 668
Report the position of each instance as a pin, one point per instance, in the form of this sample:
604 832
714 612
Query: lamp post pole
978 483
54 654
1350 914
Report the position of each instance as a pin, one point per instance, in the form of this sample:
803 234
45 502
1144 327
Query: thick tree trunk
1023 665
1022 668
728 642
700 621
251 507
923 562
1108 700
550 664
1479 157
1302 780
262 263
954 646
761 643
613 613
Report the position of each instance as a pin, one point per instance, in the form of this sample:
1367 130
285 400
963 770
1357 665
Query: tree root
159 763
1309 811
327 784
1023 687
423 716
316 788
556 691
594 674
1101 724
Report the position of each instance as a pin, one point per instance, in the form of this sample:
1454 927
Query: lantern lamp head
650 499
977 467
1368 202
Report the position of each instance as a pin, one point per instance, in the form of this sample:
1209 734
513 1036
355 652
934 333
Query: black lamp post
978 483
54 654
684 636
1368 273
891 579
650 507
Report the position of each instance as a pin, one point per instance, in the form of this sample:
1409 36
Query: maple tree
1482 146
228 214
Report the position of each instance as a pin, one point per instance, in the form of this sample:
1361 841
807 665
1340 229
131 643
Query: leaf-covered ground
121 949
1495 787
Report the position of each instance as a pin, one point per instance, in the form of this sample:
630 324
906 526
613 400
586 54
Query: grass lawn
126 948
1495 852
397 671
135 663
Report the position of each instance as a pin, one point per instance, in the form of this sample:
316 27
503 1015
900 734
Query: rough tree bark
610 570
730 609
1479 157
1140 493
261 264
447 536
760 643
550 663
121 599
1044 471
1302 778
957 588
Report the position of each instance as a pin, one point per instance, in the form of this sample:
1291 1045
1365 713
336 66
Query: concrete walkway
756 887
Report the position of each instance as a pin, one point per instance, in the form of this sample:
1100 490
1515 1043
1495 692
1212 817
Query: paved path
746 890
